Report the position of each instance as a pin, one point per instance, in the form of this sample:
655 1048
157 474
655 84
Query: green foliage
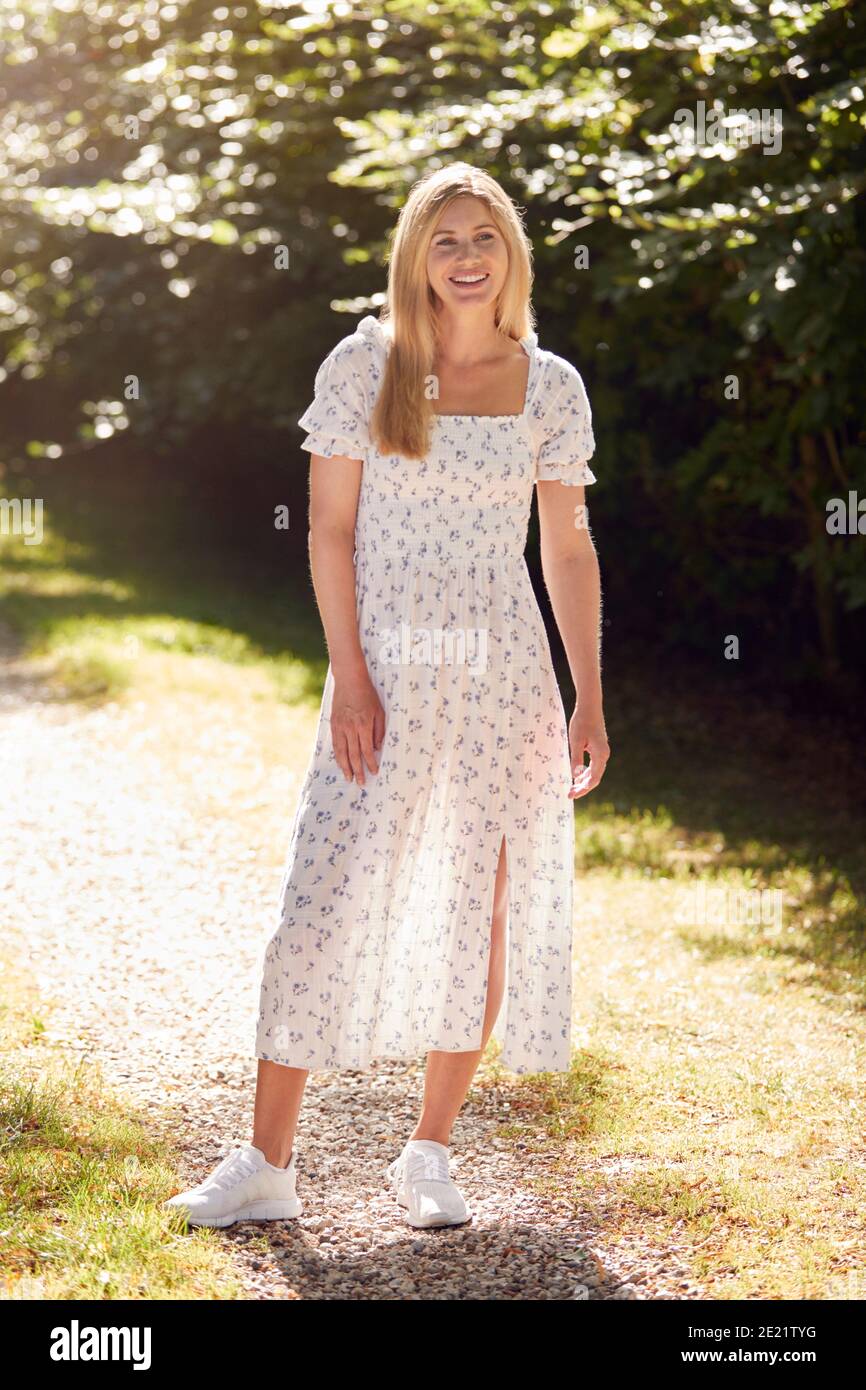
186 202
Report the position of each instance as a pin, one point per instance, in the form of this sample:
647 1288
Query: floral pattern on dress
382 941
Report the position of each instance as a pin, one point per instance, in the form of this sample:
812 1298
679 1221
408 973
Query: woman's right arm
357 715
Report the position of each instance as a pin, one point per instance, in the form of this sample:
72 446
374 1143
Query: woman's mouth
476 278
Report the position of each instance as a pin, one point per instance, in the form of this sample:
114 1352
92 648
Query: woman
430 870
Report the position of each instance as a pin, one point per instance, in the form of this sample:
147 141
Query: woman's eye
483 236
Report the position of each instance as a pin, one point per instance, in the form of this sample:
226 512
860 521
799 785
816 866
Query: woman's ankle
276 1155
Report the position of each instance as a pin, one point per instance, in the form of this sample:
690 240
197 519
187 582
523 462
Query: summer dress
383 936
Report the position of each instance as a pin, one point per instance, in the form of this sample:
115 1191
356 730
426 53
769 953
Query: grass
83 1176
103 593
711 1114
713 1108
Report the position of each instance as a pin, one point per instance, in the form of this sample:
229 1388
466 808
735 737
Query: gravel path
143 882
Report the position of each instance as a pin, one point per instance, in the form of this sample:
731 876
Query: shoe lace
425 1166
233 1169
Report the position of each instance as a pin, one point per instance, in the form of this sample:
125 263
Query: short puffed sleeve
565 428
337 418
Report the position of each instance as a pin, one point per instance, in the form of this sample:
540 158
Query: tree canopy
197 198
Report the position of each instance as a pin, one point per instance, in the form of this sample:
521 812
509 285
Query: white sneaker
423 1185
243 1187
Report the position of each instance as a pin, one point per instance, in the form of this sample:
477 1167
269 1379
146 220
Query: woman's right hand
357 726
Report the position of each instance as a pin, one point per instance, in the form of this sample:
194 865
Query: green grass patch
92 604
82 1179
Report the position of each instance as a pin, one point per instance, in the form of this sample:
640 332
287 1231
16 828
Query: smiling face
467 262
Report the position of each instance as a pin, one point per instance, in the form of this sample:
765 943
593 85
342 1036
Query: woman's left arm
570 568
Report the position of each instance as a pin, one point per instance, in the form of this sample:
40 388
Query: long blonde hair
403 414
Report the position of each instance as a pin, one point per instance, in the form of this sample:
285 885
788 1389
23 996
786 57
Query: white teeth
468 279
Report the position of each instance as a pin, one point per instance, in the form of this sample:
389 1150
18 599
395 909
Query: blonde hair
403 414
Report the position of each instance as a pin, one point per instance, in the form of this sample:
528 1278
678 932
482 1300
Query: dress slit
506 938
498 1026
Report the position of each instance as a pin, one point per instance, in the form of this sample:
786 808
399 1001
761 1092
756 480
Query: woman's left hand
587 734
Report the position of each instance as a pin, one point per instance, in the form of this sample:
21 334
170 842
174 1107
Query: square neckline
527 348
371 327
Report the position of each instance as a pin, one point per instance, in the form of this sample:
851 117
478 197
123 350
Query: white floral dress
383 936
